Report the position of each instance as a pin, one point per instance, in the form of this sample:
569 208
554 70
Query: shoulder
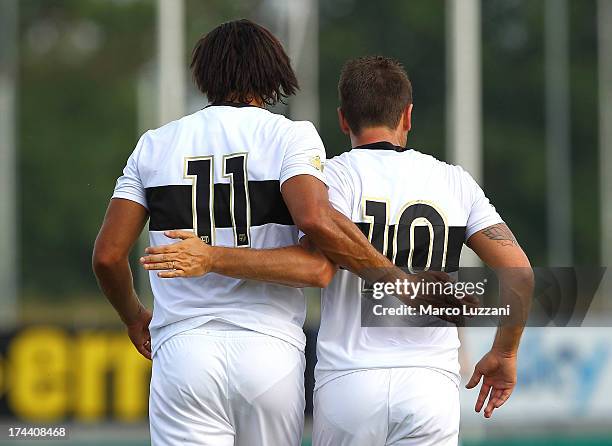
170 130
304 130
340 159
452 171
281 126
340 169
299 136
424 158
278 120
340 163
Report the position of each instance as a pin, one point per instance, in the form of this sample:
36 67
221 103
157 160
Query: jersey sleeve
482 212
304 153
340 188
129 185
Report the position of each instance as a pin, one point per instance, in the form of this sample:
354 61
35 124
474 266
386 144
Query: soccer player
388 386
228 360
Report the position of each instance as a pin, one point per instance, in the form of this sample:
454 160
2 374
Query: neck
254 102
376 134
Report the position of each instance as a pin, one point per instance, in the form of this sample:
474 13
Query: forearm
507 340
516 289
345 245
334 234
122 225
291 266
499 249
116 283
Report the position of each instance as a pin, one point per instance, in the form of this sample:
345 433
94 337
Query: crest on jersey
315 161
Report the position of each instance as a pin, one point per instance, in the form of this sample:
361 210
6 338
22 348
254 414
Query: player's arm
303 186
498 248
125 217
344 244
295 266
333 233
338 241
122 225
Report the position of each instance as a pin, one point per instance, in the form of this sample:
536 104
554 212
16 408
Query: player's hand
188 258
138 331
443 300
499 372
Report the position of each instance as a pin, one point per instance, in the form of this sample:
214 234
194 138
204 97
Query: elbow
105 259
323 275
520 281
524 274
313 224
527 278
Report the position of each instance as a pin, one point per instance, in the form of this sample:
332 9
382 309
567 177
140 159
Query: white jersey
218 172
418 211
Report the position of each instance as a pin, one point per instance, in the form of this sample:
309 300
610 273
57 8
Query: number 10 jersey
418 211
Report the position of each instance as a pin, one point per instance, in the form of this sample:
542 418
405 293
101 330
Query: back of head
241 61
374 91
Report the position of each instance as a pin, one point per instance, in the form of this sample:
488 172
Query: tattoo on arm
501 233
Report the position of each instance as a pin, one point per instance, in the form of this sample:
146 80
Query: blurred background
519 92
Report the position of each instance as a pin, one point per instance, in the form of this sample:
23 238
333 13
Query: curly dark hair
241 61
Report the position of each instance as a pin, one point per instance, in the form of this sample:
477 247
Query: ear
407 118
342 121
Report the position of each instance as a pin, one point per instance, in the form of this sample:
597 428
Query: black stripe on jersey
456 237
170 206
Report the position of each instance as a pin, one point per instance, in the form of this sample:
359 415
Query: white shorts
378 407
215 387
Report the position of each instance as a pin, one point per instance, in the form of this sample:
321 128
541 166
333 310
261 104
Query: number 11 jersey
218 171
